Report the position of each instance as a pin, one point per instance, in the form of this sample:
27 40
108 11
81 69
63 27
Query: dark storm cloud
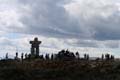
107 29
49 18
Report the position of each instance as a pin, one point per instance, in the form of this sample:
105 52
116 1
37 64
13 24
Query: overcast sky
91 26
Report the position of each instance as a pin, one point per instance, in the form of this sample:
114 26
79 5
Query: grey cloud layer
50 18
90 22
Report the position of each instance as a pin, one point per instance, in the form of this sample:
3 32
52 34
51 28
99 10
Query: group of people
61 55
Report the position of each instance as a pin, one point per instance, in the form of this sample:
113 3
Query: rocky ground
59 70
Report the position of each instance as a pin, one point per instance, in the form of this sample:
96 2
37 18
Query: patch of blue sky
12 35
116 52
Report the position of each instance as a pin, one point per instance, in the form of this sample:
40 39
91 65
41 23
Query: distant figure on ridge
6 57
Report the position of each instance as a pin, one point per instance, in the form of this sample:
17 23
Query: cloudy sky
87 26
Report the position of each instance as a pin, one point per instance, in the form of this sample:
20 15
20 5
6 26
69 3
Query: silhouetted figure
47 56
16 57
112 57
22 57
26 56
6 57
102 57
52 57
77 55
85 56
107 56
35 46
72 56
